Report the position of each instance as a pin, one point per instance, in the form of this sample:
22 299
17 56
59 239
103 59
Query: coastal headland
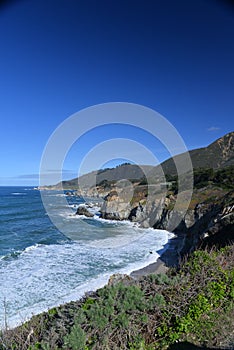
185 297
139 194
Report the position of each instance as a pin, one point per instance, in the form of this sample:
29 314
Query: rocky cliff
209 217
128 195
210 213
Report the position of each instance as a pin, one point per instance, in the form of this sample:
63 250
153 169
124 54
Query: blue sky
58 57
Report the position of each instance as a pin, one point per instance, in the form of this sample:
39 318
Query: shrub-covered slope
217 155
194 305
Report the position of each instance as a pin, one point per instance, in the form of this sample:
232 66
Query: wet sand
169 258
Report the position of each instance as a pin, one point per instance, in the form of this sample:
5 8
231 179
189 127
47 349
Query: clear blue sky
58 57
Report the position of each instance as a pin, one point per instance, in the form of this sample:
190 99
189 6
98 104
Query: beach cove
41 268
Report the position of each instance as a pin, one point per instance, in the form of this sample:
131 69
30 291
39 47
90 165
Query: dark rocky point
82 210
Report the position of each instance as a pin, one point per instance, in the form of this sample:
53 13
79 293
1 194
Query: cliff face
127 195
210 214
116 206
206 223
209 217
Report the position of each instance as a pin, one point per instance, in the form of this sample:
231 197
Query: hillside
124 171
218 154
153 206
210 211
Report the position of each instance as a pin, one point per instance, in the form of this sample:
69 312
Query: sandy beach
169 258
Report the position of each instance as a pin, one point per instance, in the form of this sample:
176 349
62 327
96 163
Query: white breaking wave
19 194
43 276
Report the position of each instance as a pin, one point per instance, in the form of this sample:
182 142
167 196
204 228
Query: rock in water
82 210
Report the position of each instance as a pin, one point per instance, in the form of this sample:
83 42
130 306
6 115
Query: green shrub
76 340
194 304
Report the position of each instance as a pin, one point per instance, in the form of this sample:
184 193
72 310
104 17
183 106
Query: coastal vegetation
193 304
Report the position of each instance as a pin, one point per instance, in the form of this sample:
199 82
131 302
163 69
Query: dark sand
169 258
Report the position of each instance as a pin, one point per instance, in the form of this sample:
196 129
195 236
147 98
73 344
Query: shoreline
156 264
169 258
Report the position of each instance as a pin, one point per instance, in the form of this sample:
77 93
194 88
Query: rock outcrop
116 206
221 232
116 278
139 194
82 210
204 219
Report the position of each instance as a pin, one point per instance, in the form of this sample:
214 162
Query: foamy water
37 274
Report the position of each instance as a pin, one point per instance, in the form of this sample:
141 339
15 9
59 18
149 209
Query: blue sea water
41 267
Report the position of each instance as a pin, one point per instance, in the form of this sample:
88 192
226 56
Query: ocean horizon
41 268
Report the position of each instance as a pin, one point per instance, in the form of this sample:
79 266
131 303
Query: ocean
41 267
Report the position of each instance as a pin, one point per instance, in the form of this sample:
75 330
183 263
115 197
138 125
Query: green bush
76 340
194 304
